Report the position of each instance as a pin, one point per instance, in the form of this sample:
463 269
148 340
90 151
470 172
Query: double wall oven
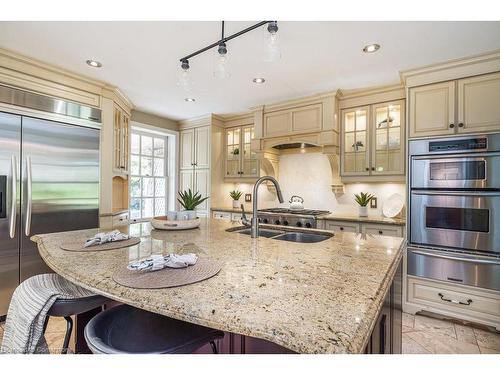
454 231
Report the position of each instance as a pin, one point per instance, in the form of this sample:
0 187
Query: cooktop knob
285 222
277 222
299 224
308 225
265 221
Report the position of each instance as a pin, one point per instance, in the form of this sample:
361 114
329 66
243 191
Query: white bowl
162 223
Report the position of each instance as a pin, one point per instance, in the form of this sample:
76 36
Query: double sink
282 235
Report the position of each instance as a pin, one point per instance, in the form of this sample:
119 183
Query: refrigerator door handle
13 204
28 190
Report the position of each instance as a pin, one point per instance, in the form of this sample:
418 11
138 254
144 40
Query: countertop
365 219
310 298
378 219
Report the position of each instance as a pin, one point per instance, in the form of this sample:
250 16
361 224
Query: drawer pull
380 232
469 301
341 228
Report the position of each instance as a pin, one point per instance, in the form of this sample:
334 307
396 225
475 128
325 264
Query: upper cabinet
432 109
468 105
195 148
479 104
372 139
121 141
240 160
304 119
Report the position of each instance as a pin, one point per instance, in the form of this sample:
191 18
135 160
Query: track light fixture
221 68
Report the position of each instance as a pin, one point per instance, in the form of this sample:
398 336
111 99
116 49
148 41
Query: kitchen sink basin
291 236
262 232
302 237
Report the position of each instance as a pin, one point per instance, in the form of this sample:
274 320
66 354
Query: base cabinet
341 226
386 337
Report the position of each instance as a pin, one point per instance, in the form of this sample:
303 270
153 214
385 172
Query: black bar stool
127 330
67 307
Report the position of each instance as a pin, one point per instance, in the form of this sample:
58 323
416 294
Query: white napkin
157 262
103 237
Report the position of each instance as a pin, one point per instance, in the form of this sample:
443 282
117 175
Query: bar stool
127 330
67 307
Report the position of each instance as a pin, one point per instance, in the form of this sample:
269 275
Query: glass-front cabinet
241 161
355 138
387 154
373 140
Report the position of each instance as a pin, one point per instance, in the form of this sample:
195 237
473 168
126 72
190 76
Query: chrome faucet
255 219
244 219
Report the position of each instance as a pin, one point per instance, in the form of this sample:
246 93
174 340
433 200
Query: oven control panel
459 145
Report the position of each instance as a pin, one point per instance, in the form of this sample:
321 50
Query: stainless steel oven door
478 271
476 171
466 220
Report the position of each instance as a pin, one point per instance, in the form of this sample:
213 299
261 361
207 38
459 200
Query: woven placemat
167 277
77 245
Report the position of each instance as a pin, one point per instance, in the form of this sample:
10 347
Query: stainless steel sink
302 237
292 236
262 232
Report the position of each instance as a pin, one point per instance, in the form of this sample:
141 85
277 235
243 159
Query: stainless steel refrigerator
49 182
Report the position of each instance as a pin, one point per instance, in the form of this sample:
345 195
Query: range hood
287 146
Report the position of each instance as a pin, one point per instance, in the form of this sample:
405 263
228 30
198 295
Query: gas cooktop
288 211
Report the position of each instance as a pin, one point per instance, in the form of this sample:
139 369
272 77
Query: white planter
363 211
236 204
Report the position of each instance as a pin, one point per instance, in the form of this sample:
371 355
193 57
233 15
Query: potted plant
363 199
235 194
190 201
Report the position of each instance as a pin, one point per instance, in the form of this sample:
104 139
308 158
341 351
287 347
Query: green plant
236 151
190 201
235 194
363 199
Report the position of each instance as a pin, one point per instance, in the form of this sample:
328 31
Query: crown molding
290 103
452 69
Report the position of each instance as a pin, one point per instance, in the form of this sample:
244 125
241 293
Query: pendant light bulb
221 64
184 80
271 42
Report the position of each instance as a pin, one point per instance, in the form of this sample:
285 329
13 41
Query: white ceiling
142 58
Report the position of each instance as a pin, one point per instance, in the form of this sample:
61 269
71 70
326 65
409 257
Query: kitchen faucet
255 219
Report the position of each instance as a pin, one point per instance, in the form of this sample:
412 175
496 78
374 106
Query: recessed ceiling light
189 100
94 63
258 80
371 48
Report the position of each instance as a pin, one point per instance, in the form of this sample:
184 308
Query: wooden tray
162 223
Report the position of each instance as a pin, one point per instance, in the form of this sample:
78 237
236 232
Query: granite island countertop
310 298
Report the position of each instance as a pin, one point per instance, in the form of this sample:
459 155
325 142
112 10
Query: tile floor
426 335
421 335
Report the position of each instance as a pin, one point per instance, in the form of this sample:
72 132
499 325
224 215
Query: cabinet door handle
383 333
380 232
461 125
367 168
341 228
452 126
469 301
373 168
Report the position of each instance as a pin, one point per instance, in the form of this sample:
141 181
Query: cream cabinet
432 109
382 229
121 141
451 299
194 163
372 139
344 226
479 104
195 148
240 160
304 119
468 105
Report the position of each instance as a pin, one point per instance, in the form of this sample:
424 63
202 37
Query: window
148 175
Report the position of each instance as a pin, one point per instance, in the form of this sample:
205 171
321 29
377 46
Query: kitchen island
324 297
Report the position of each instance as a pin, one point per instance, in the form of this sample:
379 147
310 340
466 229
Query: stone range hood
299 126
